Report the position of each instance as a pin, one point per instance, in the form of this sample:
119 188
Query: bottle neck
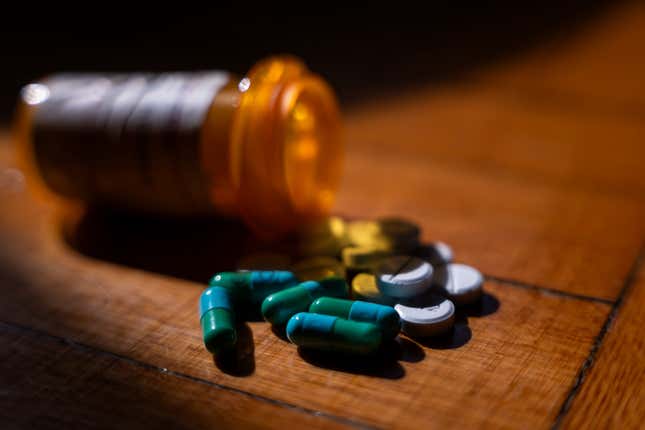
284 153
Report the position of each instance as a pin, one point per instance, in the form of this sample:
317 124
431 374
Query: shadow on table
196 249
239 361
193 249
487 305
458 336
383 364
280 332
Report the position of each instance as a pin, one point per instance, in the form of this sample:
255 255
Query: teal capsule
253 287
385 317
279 307
330 333
217 319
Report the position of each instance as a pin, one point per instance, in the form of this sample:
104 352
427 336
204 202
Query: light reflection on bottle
244 84
34 94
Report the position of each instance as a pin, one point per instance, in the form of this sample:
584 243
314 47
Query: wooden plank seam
87 348
332 417
589 362
547 290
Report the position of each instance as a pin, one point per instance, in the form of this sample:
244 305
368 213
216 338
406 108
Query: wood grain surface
597 69
56 383
522 193
494 359
612 394
532 169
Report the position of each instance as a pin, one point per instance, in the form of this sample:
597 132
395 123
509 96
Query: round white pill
438 253
461 283
427 321
403 277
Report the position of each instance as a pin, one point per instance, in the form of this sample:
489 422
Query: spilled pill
364 288
436 253
253 287
427 321
330 333
403 235
461 283
316 268
403 277
363 257
385 317
279 307
217 319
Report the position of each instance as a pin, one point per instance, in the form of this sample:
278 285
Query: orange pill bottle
266 147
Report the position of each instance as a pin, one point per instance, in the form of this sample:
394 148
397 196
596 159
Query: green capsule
280 306
217 319
330 333
385 317
253 287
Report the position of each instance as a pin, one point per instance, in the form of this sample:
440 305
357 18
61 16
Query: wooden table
533 169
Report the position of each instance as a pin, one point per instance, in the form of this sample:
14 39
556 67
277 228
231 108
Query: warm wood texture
599 68
508 363
50 383
613 394
520 192
532 169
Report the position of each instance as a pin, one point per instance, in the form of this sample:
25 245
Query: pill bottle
265 147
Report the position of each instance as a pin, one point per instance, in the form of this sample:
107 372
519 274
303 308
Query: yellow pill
363 257
316 268
364 288
363 233
402 235
391 234
323 238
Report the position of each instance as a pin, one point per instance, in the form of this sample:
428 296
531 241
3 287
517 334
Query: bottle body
189 143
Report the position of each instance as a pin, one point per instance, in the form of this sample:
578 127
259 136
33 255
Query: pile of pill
355 285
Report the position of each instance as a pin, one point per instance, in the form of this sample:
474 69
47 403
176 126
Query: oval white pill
403 277
427 321
462 283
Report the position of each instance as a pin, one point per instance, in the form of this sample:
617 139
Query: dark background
363 51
